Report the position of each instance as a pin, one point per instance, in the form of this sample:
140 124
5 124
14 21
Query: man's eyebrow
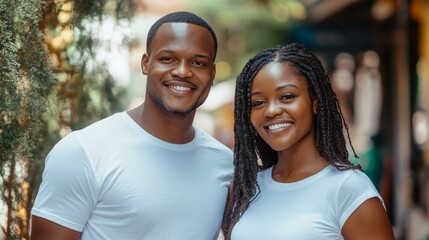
165 51
196 55
203 56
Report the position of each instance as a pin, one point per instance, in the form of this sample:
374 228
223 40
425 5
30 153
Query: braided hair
252 153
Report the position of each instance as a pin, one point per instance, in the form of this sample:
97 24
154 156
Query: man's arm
67 193
43 229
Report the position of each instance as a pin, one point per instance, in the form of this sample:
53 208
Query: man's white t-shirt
113 180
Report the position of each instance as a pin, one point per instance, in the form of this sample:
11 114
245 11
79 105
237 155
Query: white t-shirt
113 180
314 208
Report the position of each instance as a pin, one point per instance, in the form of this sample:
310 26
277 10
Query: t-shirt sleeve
67 194
355 190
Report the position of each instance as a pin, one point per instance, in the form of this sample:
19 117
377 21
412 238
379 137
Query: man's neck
169 127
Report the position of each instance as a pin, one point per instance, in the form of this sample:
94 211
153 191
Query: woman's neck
297 165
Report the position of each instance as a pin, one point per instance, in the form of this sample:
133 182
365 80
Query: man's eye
166 59
200 63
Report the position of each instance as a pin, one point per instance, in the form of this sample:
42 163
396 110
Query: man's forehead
181 34
181 28
175 30
178 29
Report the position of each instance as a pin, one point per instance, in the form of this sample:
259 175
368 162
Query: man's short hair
179 17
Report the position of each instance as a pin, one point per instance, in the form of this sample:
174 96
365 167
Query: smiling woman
278 88
288 119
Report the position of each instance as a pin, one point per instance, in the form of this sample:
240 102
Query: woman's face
282 111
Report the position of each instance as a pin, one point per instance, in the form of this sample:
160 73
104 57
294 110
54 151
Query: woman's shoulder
349 178
352 181
343 171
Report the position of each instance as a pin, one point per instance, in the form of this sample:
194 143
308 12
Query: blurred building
377 52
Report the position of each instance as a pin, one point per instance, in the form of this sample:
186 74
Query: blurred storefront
377 52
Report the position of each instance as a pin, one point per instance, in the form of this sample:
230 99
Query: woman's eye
257 103
288 96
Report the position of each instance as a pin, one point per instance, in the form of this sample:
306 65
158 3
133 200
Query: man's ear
213 73
144 62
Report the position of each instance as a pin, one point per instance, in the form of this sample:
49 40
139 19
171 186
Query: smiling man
148 173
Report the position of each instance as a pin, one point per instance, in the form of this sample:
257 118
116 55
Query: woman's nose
272 109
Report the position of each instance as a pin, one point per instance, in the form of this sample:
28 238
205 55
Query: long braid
245 146
250 148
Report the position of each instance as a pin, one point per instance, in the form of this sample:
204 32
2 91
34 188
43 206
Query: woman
293 179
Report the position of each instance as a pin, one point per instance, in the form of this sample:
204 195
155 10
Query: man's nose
182 70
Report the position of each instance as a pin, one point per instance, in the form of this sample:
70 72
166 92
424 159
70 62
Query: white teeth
181 88
278 125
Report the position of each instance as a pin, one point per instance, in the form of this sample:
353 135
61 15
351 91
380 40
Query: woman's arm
369 221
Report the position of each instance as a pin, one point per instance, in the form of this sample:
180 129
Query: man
147 173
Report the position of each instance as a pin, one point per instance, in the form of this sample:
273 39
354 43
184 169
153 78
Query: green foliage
244 27
27 80
90 92
43 93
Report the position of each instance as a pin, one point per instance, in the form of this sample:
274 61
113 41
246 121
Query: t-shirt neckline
171 146
280 186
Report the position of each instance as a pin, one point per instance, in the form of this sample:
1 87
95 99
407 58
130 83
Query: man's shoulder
96 132
102 123
209 140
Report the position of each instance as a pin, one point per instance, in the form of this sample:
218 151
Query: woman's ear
315 105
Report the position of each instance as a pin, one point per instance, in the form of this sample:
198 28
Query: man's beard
159 102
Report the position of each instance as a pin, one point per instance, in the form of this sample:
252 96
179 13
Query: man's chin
181 111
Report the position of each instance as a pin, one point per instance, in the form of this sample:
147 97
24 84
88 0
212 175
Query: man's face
180 67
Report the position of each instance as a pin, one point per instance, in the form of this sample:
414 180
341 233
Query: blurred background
65 64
